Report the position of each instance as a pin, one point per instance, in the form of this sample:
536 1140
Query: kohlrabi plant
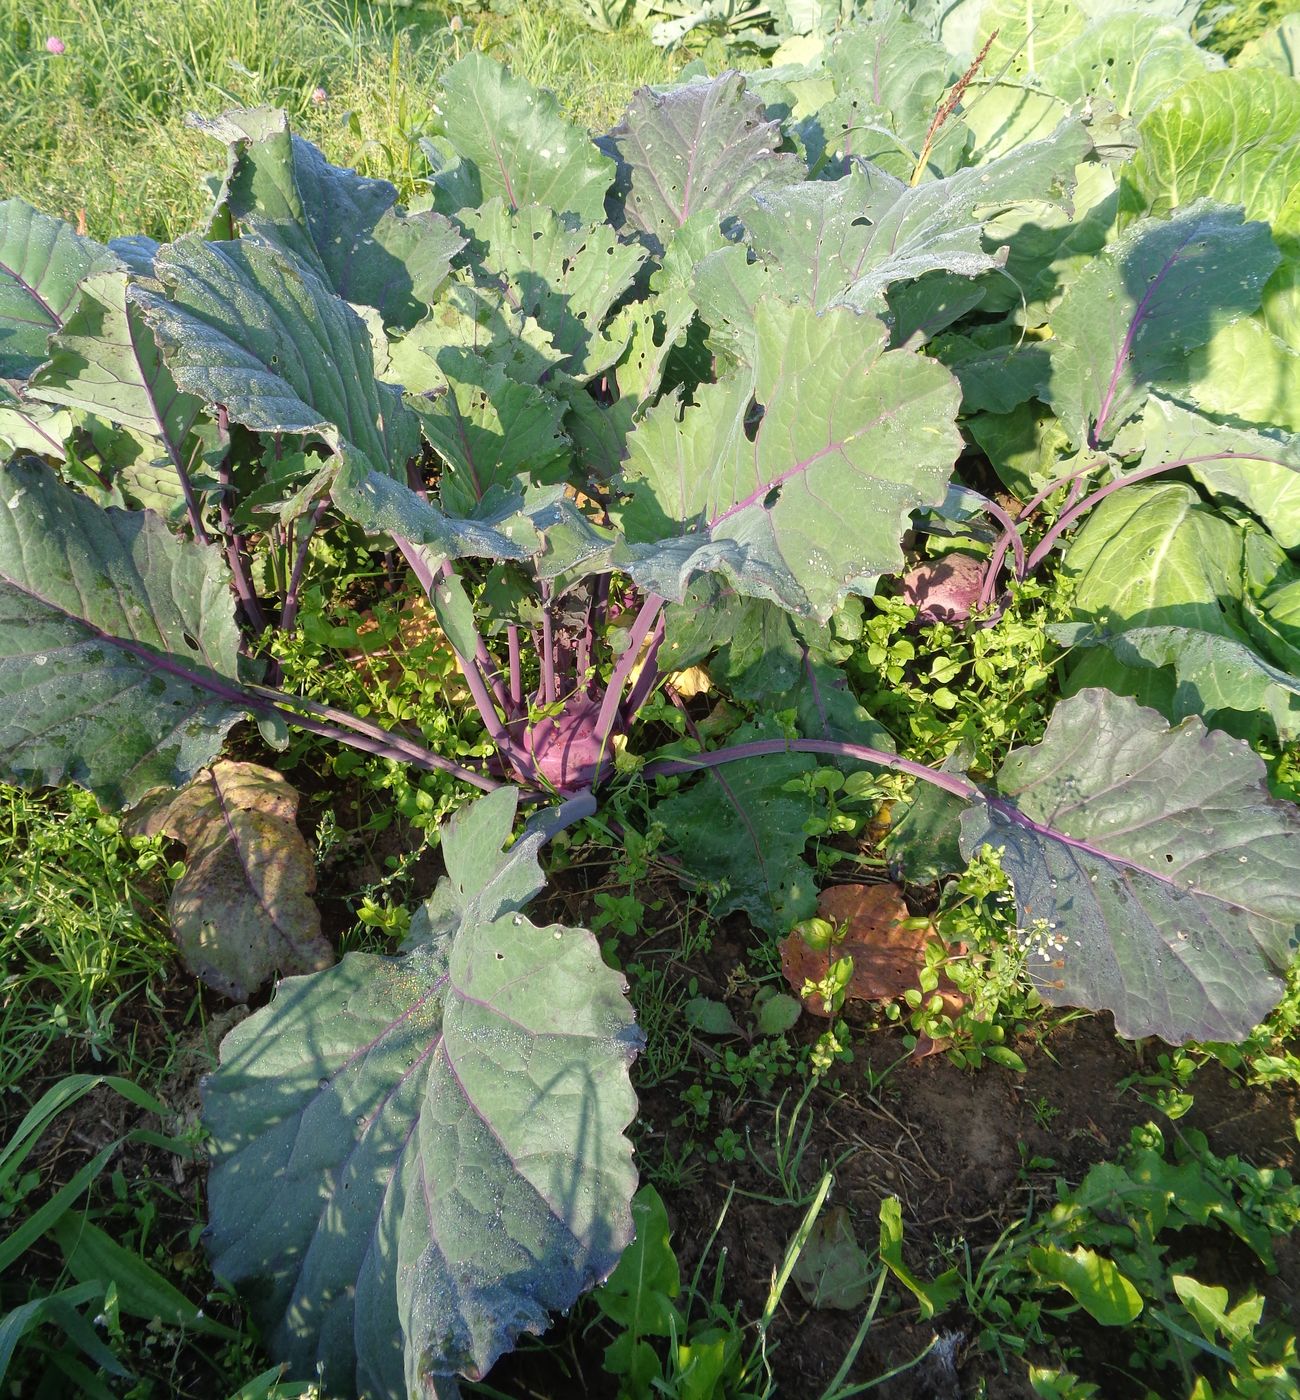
678 395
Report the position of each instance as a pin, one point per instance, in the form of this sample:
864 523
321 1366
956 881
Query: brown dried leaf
888 951
243 909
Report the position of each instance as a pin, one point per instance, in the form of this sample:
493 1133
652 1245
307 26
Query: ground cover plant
685 395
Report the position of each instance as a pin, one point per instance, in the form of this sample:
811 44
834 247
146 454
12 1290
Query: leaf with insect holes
517 143
279 189
118 644
704 146
42 262
418 1158
493 434
566 279
1153 869
890 79
833 242
810 505
1130 59
243 910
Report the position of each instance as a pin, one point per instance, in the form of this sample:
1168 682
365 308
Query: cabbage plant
676 394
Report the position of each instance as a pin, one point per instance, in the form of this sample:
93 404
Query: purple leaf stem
760 748
649 675
235 551
478 687
1068 517
626 664
516 671
191 500
1126 347
307 527
1010 533
548 649
993 569
388 746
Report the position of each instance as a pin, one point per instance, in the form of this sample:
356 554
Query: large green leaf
890 78
1130 317
1132 59
1153 871
1233 137
518 144
104 359
42 260
1259 469
812 504
256 329
280 188
1050 245
846 241
702 146
1247 372
242 911
1153 555
418 1158
118 645
1221 679
493 434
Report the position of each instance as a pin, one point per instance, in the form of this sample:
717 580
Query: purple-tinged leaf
1163 288
222 331
702 146
1261 469
118 644
419 1158
1154 875
243 909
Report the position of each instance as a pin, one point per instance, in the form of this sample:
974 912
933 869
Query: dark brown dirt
966 1154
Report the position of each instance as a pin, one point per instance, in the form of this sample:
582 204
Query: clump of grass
80 936
96 133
